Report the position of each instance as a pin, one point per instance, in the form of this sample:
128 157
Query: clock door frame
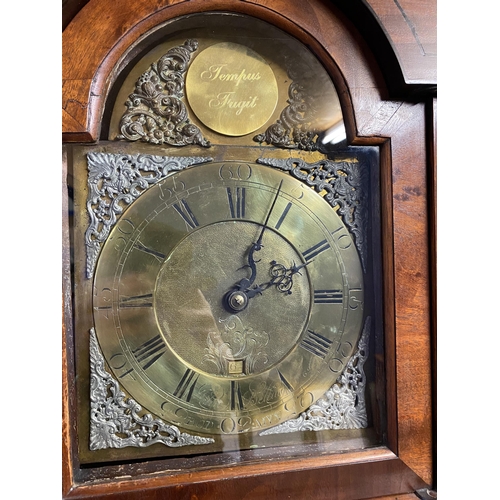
94 44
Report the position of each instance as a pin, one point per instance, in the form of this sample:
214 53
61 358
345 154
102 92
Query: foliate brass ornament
239 344
115 420
115 181
343 405
231 89
343 184
293 128
155 111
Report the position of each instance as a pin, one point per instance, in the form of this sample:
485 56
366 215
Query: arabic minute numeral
355 298
104 299
242 171
342 237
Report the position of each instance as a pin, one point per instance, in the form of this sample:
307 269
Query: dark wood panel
432 182
70 9
407 496
407 272
350 481
411 27
412 279
408 35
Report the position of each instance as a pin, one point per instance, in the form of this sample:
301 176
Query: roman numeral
185 212
285 382
160 257
315 250
328 296
316 344
236 399
283 215
236 202
186 385
149 352
136 301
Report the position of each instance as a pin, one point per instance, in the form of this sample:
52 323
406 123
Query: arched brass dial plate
165 323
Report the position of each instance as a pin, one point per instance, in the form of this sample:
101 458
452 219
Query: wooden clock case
387 93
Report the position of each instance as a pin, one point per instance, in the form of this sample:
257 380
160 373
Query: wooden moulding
93 52
96 44
357 475
411 27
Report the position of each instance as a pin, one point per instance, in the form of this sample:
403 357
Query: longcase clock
246 215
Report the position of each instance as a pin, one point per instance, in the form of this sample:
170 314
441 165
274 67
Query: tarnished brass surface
199 271
306 101
160 282
231 89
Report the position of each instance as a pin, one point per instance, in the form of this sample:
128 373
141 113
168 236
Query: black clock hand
259 241
282 278
246 283
236 299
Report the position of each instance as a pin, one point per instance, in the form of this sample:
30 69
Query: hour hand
237 298
281 277
252 264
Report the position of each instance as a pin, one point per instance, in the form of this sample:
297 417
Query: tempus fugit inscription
231 89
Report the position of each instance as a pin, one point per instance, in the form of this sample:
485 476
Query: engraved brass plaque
231 89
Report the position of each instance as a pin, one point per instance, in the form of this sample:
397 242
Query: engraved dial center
251 337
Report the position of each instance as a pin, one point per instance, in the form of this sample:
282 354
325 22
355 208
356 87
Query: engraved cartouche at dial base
228 298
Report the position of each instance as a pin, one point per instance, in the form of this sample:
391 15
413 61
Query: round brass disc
231 89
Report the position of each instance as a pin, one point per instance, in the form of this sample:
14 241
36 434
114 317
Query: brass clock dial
228 298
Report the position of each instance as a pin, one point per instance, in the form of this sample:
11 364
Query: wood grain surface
411 26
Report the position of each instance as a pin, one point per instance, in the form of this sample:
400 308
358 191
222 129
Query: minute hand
245 283
259 241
